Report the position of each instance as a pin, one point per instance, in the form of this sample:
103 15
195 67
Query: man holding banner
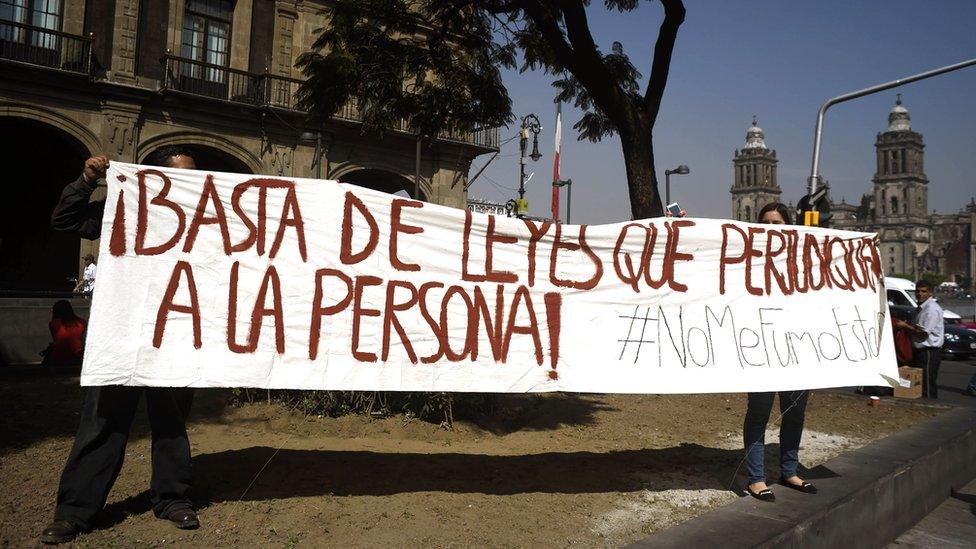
99 448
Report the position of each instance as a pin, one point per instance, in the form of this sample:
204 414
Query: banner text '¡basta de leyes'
499 321
808 267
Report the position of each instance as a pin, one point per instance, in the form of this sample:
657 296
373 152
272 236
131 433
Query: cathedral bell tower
755 176
901 193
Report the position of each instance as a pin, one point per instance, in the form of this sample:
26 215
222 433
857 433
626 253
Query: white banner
226 280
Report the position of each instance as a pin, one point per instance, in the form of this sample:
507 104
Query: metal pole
416 172
667 187
318 155
475 178
818 131
569 203
523 141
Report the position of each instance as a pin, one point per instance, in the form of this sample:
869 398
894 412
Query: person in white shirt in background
87 283
928 334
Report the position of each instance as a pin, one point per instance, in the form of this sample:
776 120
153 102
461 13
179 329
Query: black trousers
929 359
99 449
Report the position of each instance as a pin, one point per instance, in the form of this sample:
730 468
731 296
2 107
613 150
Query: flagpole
555 162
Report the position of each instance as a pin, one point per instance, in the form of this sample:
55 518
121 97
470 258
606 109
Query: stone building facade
125 77
755 183
914 240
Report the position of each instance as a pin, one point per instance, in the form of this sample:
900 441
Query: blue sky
779 60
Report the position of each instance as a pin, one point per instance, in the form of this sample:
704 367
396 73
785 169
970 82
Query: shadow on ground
287 473
513 413
966 498
37 403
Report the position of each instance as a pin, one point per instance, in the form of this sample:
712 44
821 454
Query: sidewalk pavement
951 525
893 487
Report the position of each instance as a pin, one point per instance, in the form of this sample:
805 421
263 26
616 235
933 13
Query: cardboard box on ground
914 375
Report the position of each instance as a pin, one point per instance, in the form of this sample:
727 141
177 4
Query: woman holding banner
792 405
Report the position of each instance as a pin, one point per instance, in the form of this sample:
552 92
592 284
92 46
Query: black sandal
763 495
806 487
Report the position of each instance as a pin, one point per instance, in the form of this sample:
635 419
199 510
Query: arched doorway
43 159
381 180
214 159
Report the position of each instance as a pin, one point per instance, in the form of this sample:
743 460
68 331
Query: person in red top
904 353
67 336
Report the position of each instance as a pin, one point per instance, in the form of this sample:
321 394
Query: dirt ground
553 470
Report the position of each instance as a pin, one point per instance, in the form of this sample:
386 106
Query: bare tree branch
598 81
674 16
550 30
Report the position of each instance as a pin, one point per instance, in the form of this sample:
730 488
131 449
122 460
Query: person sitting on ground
792 405
99 448
67 336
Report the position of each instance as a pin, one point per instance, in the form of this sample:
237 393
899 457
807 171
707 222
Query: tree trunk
638 149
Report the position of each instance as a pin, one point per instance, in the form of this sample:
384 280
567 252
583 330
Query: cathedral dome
898 118
754 136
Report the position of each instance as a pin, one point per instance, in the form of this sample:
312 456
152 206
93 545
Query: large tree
435 65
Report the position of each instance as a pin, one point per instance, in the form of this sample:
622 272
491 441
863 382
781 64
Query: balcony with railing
32 45
262 89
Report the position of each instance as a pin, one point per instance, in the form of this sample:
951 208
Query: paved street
953 378
952 524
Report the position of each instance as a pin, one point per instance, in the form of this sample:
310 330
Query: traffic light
814 210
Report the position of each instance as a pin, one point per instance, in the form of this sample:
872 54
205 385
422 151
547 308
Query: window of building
748 214
43 14
894 204
206 38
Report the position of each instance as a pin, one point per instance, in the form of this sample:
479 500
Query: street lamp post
680 170
814 179
530 123
569 197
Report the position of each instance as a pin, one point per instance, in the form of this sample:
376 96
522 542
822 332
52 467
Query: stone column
240 40
174 33
73 17
284 39
119 131
124 41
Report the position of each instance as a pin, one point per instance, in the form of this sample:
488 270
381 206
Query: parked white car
902 292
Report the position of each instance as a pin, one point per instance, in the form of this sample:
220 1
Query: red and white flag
555 162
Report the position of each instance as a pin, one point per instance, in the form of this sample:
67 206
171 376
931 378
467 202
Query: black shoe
60 531
763 495
971 391
806 487
184 519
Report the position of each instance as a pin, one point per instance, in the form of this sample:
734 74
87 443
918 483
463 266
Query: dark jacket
75 213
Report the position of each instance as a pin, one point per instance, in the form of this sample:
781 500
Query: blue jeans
792 406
